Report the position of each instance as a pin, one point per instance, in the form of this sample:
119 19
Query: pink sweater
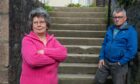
41 68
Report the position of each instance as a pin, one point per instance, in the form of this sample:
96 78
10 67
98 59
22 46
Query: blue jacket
122 48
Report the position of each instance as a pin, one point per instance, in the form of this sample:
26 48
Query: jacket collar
34 36
123 27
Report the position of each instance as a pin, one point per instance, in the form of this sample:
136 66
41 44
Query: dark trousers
117 72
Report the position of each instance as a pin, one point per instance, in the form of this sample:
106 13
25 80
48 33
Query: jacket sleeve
58 52
101 55
131 50
31 57
102 51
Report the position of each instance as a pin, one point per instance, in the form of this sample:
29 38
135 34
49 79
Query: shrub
74 5
48 8
127 3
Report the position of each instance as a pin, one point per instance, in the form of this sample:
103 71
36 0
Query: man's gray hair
117 10
39 12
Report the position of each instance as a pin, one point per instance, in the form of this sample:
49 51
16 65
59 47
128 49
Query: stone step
82 31
77 68
78 33
77 20
80 41
97 27
80 49
77 14
76 79
79 79
80 9
82 58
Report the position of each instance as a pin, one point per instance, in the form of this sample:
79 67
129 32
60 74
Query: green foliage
127 3
74 5
48 8
92 5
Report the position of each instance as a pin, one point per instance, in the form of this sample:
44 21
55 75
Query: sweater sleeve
131 50
58 52
30 55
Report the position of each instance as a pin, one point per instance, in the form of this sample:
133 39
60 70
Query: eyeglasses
117 17
38 22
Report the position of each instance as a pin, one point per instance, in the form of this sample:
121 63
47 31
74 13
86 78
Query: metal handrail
109 13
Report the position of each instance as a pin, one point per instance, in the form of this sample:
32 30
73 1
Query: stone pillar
4 41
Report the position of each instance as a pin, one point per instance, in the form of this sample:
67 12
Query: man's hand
118 63
40 51
101 63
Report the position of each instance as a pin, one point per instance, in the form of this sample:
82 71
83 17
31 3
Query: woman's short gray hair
39 12
117 10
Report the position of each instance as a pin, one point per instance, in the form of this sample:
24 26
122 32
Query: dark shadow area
133 13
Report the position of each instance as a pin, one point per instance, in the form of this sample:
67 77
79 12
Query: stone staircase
81 30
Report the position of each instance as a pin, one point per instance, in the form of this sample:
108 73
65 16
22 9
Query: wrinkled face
39 25
119 18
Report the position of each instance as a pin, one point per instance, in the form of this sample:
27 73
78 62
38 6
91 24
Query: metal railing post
109 13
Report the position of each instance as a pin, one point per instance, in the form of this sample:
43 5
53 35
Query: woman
41 52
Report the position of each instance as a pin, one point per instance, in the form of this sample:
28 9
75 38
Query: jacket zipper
111 43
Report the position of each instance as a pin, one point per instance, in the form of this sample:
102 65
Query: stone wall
4 41
18 14
133 13
13 23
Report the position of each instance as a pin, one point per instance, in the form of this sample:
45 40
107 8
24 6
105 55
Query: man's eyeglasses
118 17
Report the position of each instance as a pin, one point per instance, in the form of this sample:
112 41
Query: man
119 47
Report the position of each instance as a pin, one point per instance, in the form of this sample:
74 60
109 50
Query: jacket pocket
116 53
